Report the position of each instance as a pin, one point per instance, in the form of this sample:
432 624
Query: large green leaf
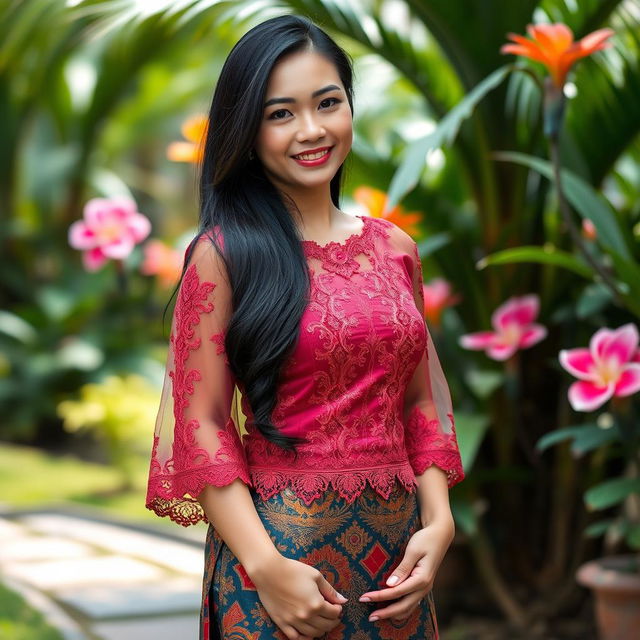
409 171
611 492
470 429
584 198
544 255
457 27
603 117
586 437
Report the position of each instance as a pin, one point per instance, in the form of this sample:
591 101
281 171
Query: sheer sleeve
430 435
197 440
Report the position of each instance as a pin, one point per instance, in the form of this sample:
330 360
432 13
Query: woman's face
295 121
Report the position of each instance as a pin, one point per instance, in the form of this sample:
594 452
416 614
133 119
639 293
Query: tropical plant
490 207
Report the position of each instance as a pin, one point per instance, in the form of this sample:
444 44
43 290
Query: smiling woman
329 517
315 131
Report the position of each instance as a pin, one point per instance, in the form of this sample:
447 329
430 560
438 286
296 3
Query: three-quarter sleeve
196 441
430 434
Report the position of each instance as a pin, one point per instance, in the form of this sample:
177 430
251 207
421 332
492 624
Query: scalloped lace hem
349 483
448 461
173 496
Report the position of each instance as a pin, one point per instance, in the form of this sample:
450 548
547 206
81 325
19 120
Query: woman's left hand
416 572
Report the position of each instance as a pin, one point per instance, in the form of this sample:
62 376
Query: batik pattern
355 545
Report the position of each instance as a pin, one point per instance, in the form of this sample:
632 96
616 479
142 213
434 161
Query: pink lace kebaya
364 384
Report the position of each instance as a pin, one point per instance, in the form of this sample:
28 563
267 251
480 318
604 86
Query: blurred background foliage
93 92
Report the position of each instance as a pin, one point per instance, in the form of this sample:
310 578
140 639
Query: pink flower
437 297
514 326
589 229
162 261
110 229
609 367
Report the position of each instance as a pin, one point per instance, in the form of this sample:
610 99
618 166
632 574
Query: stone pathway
99 580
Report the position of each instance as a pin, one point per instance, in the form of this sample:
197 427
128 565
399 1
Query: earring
251 156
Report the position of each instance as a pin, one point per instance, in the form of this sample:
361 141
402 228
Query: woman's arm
231 511
433 497
430 435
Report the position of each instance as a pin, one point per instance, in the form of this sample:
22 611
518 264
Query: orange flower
375 201
553 45
193 129
162 261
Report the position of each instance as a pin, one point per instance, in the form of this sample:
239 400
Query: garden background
521 188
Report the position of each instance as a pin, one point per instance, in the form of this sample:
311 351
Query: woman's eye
280 113
273 116
327 99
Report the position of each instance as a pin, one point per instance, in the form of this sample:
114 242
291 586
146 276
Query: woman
316 317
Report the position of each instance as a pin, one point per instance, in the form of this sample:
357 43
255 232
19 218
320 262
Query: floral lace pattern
194 462
357 386
427 444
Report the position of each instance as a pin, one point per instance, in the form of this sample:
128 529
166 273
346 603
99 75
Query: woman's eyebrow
329 87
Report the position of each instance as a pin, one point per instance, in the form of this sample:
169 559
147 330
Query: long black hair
263 253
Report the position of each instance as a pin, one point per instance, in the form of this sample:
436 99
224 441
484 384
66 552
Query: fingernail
373 618
392 580
365 599
341 596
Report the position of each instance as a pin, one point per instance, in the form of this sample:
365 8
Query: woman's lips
316 162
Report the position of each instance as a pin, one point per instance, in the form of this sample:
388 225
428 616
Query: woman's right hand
298 598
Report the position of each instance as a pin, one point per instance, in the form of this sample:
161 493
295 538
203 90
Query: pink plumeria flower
609 367
437 297
110 230
514 326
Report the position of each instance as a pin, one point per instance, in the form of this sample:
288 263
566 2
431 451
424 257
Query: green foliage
19 621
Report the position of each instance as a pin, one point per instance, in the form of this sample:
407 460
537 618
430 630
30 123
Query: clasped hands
415 573
313 607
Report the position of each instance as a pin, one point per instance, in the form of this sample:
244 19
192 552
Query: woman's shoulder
396 235
202 253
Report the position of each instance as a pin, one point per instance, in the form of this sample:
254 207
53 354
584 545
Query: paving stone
145 599
28 548
86 571
157 628
175 555
9 530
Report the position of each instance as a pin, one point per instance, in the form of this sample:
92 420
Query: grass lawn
30 477
18 621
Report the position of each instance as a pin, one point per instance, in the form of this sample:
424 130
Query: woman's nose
310 128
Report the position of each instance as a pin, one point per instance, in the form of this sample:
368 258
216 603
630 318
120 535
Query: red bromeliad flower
514 329
437 297
610 366
553 45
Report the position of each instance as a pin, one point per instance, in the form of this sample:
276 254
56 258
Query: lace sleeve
196 440
430 435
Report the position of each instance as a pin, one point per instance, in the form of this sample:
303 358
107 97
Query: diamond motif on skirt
245 580
376 557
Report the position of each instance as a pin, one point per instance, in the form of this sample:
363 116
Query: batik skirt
354 545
